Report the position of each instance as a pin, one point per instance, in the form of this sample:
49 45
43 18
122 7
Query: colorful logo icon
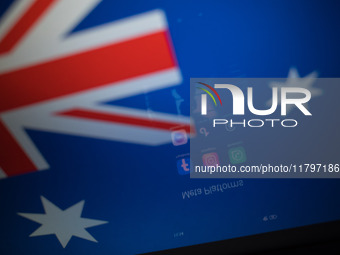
237 155
204 97
183 166
210 159
179 137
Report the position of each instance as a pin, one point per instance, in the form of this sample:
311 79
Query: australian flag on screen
90 94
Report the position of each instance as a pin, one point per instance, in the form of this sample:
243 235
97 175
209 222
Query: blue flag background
137 189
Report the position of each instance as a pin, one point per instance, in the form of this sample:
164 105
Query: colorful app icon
183 165
210 159
237 155
179 137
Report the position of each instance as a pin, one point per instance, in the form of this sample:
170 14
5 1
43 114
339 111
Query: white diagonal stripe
2 174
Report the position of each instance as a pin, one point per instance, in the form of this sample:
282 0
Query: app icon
204 131
237 155
183 166
179 137
210 159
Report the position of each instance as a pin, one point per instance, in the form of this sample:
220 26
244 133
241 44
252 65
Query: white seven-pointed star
63 224
294 80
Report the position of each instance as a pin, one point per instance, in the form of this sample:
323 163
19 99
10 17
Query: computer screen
96 125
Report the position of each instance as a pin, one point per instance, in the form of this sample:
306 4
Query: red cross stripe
54 85
94 68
